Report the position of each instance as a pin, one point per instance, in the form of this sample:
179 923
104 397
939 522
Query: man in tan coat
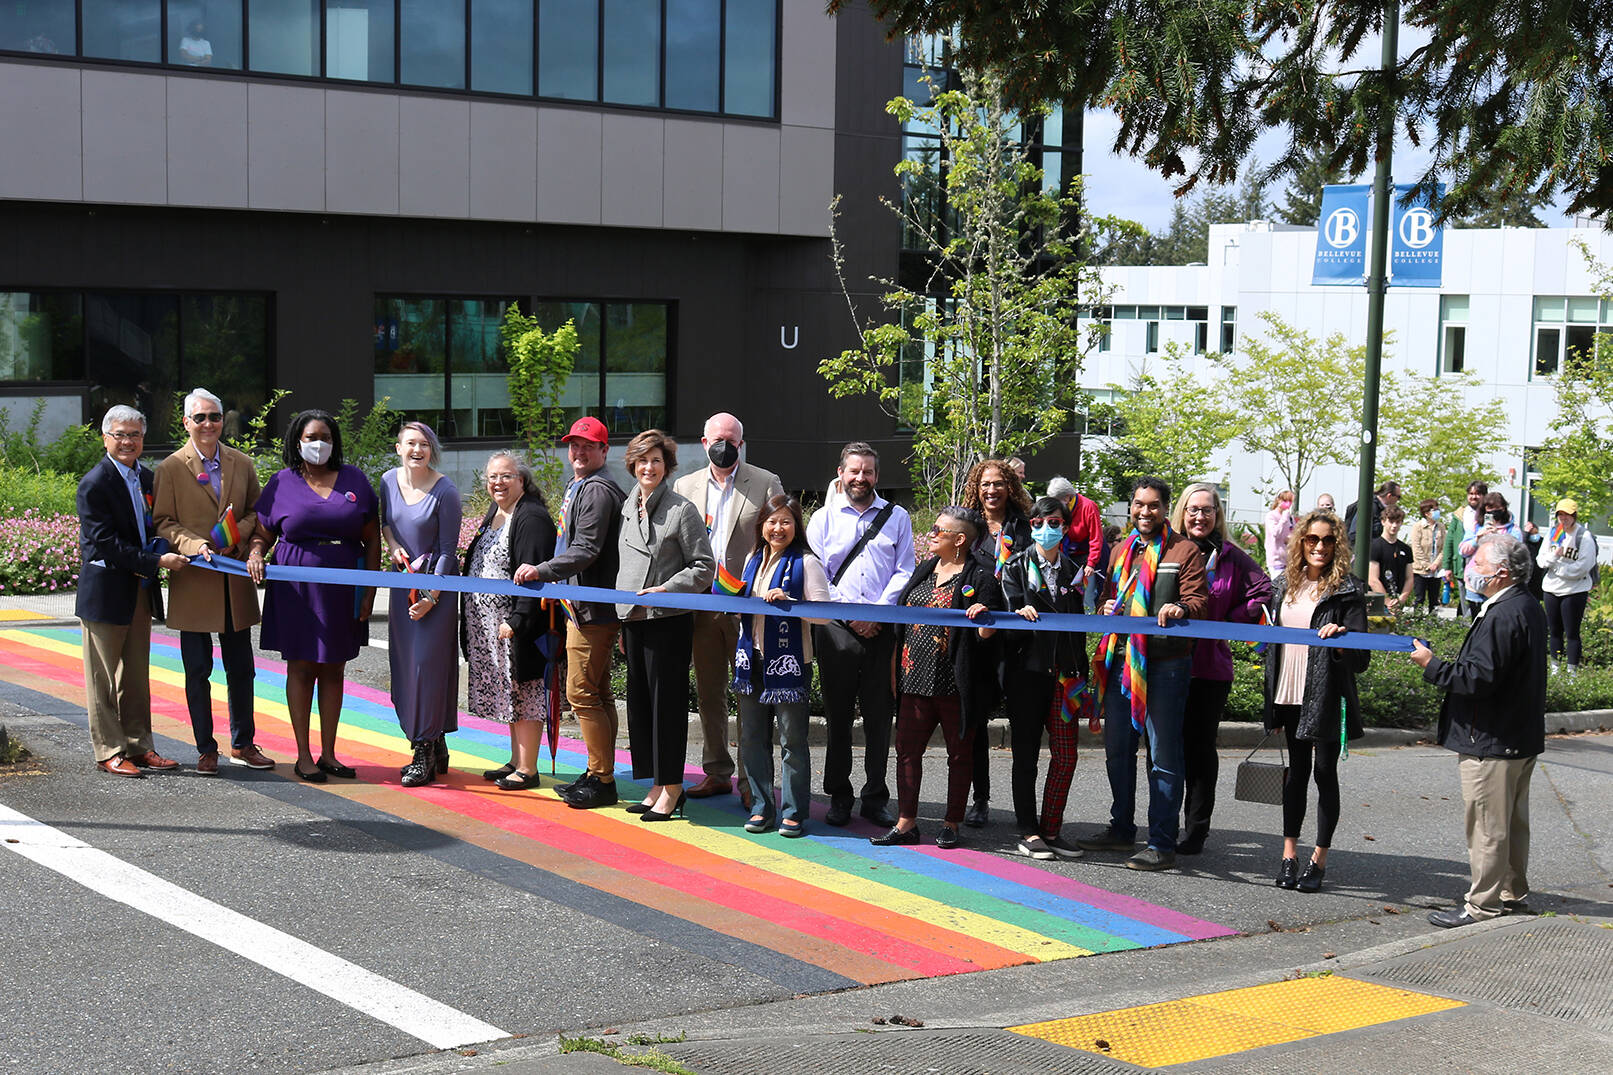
200 490
731 495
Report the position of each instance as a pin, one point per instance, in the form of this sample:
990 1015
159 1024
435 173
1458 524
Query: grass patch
11 751
654 1059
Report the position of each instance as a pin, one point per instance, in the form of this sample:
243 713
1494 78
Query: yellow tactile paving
1217 1024
8 615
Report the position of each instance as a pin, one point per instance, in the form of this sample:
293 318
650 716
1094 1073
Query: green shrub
42 491
1588 688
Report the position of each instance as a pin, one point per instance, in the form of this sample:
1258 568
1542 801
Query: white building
1513 299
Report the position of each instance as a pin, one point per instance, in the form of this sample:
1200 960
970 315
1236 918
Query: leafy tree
1576 459
1431 434
540 365
1297 399
1520 211
991 335
1174 425
1186 238
1506 96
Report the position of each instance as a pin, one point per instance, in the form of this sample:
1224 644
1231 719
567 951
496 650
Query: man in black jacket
1494 718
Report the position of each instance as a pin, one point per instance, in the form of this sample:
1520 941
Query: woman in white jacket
1567 559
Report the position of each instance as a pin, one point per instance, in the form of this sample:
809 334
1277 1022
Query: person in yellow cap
1567 559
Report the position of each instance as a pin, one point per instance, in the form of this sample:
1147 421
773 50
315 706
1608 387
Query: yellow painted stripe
12 615
1236 1020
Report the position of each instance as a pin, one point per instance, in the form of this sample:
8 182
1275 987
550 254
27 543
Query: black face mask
723 454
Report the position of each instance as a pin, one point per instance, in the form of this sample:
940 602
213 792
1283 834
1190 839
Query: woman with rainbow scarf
773 667
994 489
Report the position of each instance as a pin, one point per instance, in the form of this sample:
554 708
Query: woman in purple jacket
1239 591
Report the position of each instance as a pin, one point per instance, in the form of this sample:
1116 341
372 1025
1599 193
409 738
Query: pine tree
1302 201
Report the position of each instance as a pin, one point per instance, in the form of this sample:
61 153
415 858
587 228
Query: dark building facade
340 198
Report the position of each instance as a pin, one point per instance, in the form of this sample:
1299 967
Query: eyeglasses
1326 541
1199 513
1052 521
938 529
127 436
212 416
500 479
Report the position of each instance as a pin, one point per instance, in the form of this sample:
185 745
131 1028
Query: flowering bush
38 553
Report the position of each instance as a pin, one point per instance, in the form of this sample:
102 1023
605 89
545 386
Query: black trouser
854 671
1028 698
1425 591
1563 616
1201 723
1303 756
659 653
196 651
982 747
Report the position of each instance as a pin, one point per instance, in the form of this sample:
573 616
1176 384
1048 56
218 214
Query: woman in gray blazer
663 549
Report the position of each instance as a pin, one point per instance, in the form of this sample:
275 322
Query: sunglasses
211 416
1053 521
1325 541
938 529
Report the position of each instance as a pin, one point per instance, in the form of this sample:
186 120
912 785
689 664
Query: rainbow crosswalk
830 901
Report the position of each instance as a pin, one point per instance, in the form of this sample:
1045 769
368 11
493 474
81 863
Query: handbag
1261 781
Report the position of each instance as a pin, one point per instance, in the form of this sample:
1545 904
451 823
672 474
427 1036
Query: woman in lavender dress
316 513
420 515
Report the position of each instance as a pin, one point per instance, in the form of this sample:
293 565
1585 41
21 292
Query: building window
41 336
440 361
285 36
632 52
358 40
41 28
205 34
431 44
1567 326
1100 418
750 45
693 37
501 46
1229 329
123 30
568 49
1152 344
1452 334
622 365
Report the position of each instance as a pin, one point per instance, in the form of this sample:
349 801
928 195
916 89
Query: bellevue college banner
1416 244
1341 236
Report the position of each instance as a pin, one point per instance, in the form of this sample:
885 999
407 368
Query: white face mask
316 452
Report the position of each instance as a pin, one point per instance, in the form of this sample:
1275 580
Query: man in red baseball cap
585 552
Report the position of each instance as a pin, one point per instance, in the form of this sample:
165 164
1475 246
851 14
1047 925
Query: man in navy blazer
118 596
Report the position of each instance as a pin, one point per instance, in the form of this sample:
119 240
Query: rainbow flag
1005 549
1265 621
226 533
726 583
1559 533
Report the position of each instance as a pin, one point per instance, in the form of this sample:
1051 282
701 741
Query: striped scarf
1133 582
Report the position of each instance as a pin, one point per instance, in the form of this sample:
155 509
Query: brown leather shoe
252 758
207 764
118 765
711 785
152 760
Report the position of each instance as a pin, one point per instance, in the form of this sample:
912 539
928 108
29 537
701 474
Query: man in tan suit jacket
196 488
731 496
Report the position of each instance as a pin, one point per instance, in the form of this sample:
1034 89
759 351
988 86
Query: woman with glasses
1045 679
1310 690
940 675
499 634
1239 591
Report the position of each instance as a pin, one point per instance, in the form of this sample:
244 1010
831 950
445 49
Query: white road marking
415 1014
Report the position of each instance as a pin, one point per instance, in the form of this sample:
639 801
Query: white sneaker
1034 847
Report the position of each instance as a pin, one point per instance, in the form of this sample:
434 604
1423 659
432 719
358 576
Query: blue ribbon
821 610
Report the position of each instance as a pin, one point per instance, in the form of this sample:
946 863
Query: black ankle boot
423 769
441 751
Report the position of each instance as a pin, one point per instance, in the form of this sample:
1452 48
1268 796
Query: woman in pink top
1310 690
1279 530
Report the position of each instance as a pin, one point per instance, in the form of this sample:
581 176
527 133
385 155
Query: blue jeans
756 756
1167 700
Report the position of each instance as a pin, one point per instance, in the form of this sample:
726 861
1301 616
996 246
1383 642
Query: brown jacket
185 511
1181 581
752 488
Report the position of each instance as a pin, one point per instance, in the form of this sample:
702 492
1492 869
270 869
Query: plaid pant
1062 736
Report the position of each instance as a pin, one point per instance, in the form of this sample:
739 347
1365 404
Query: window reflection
748 57
358 40
225 349
568 49
583 391
693 28
635 365
433 44
633 52
285 36
123 30
204 34
411 348
44 27
501 46
132 352
41 336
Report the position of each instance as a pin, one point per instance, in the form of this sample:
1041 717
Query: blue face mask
1048 537
1434 515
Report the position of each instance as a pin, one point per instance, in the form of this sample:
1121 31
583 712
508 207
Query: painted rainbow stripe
727 583
827 904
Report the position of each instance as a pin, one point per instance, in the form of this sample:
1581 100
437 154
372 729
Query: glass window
225 349
1453 307
411 356
584 393
358 40
1052 171
1547 343
635 366
1201 337
1549 308
568 49
1152 344
432 44
501 46
748 55
1125 313
1453 349
693 29
132 352
1583 308
204 34
285 36
479 392
43 26
1106 336
633 52
123 29
1175 313
41 337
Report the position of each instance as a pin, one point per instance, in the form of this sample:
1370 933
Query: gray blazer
668 547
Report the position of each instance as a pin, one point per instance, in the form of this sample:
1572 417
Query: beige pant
1495 792
117 683
716 634
588 657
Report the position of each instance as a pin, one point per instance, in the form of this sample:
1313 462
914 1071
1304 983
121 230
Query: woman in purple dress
420 514
316 513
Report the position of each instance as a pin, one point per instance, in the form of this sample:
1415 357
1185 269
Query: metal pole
1377 285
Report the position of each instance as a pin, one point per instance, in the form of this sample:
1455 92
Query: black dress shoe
896 838
498 774
518 781
1311 879
1451 919
591 796
947 838
1516 907
423 769
1193 845
1288 874
881 815
977 815
839 814
336 768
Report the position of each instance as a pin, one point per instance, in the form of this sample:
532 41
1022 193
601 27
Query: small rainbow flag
1559 533
226 533
1005 549
1264 621
726 583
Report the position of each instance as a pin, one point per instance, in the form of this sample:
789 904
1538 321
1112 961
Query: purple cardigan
1239 590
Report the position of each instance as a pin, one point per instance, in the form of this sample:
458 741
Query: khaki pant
117 683
1495 793
588 657
716 635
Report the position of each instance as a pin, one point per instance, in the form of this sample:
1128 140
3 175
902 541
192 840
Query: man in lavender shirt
854 657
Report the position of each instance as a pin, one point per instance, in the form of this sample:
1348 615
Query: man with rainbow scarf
1141 680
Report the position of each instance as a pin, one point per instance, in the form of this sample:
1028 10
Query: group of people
729 528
